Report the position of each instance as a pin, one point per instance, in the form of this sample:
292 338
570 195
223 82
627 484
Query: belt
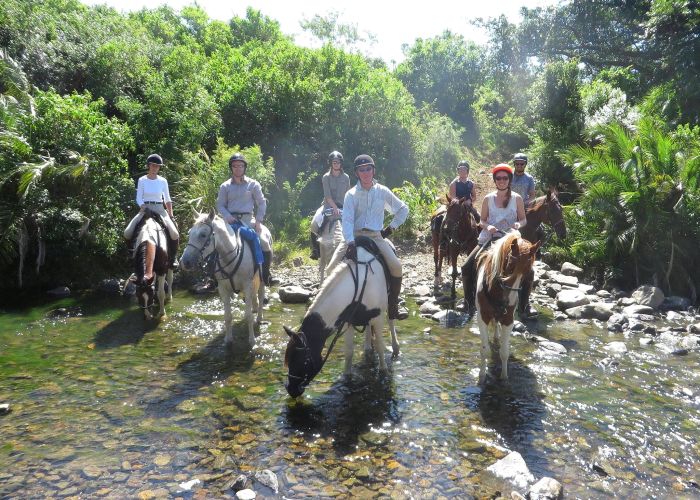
366 229
153 202
238 214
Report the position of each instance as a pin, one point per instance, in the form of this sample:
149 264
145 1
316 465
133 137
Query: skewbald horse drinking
500 272
354 295
235 268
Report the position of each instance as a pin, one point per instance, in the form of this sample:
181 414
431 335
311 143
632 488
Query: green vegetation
602 96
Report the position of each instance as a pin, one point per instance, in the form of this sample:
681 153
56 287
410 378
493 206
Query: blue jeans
249 234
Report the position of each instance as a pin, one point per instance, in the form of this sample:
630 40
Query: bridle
219 267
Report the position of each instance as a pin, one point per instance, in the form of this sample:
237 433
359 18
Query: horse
542 210
330 236
354 295
500 273
235 268
151 250
458 234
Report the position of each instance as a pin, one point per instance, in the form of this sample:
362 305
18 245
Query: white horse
331 235
354 295
235 267
151 251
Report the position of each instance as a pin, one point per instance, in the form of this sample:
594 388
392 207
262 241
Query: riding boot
394 291
173 245
267 262
524 309
315 246
469 280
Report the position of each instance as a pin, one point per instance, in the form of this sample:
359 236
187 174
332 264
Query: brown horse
500 274
456 234
543 210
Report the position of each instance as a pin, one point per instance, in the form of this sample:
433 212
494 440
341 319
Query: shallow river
104 405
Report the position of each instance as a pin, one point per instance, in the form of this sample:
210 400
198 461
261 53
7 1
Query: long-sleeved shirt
364 209
243 198
335 187
152 190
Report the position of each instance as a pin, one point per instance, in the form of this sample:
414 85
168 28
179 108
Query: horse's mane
495 260
329 282
535 204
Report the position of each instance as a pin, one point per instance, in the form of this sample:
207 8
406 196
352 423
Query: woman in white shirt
152 192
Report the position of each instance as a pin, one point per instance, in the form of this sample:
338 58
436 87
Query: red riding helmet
502 167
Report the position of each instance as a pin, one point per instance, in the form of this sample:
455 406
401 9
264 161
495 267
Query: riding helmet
502 167
363 160
335 155
520 157
463 163
237 157
154 159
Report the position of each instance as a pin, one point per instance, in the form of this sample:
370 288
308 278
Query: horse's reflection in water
348 409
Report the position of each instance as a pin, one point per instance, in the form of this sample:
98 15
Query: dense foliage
587 89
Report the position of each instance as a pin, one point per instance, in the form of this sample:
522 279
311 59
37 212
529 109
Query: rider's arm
452 190
522 219
221 201
139 193
348 220
168 202
485 213
396 207
260 204
326 182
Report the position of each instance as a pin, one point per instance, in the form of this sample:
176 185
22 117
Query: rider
462 187
335 184
501 211
363 215
523 183
152 192
238 197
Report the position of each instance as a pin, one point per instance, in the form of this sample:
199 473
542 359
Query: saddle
369 245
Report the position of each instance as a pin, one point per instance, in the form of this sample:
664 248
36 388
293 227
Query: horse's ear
195 214
289 331
549 194
535 247
514 248
212 214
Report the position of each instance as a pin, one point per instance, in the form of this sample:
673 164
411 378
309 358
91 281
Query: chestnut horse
456 234
542 210
500 273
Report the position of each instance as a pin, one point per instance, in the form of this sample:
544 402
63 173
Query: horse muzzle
294 389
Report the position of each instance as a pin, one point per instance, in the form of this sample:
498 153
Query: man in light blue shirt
522 183
363 215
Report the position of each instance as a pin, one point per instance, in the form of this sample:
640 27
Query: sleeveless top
463 189
501 218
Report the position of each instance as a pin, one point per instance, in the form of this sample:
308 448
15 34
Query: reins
217 258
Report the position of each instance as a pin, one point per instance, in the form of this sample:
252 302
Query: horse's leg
524 295
485 347
169 279
225 295
260 301
394 339
504 341
436 259
377 326
161 294
453 253
249 298
349 335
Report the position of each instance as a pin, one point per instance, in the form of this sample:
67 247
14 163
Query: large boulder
648 295
595 310
635 310
546 488
294 294
569 269
569 298
514 469
562 279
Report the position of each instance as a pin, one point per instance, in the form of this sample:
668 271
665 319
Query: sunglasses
363 170
501 178
519 164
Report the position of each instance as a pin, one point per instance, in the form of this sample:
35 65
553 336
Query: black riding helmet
154 158
520 157
335 155
463 163
363 160
238 157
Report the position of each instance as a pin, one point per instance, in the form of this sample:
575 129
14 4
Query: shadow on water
348 409
128 328
514 409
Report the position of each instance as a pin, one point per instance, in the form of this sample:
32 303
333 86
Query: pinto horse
151 250
330 236
542 210
456 234
235 268
354 295
500 273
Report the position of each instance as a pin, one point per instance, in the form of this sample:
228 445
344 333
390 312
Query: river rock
294 294
693 328
552 289
596 310
586 288
687 342
616 322
449 317
422 291
569 269
514 469
675 303
430 308
563 279
567 299
546 488
616 347
673 316
648 295
549 348
604 294
269 479
109 286
188 485
5 408
246 494
59 292
635 310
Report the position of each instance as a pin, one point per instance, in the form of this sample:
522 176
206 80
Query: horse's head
302 362
145 294
201 241
520 257
555 213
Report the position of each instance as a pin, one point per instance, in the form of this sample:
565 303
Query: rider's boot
315 246
394 291
469 280
267 262
525 311
173 245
